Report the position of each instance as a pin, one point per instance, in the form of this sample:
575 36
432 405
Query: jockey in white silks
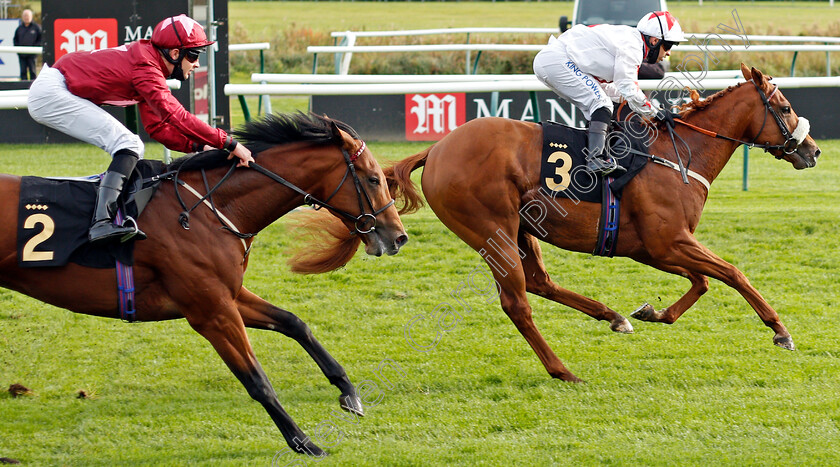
594 66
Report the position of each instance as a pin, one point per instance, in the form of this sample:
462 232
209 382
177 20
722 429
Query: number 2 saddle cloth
563 163
54 215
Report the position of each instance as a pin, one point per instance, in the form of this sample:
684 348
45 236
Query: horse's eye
373 181
786 109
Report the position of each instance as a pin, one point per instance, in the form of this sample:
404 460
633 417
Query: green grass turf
710 389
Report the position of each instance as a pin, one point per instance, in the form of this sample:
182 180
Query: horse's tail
327 246
400 184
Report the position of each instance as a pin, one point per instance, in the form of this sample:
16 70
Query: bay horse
197 274
480 178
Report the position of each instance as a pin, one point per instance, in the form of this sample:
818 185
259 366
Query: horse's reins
359 221
792 139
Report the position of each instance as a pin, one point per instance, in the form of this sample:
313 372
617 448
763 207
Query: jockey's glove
665 115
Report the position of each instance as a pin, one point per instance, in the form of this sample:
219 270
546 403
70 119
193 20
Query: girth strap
608 226
125 284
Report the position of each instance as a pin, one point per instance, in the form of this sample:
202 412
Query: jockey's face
662 52
186 65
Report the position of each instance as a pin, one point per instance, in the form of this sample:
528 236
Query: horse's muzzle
379 242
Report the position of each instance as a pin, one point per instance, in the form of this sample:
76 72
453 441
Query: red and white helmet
657 23
179 32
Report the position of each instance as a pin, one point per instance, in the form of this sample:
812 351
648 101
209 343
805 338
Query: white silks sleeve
626 81
611 90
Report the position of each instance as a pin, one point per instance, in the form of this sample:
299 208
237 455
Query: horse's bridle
792 139
791 143
359 221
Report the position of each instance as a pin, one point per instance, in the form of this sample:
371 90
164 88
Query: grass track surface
710 389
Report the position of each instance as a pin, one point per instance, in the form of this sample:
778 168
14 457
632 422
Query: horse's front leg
688 253
259 314
669 315
223 327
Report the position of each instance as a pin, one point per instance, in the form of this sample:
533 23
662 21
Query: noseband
360 221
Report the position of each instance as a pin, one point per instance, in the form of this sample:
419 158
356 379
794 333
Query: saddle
563 164
563 172
54 216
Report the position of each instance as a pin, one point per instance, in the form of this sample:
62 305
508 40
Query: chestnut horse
197 274
481 179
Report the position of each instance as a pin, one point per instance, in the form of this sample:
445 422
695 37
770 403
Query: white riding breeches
52 104
557 71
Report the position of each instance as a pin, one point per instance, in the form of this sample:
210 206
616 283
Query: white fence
16 99
372 79
17 49
253 46
529 83
697 43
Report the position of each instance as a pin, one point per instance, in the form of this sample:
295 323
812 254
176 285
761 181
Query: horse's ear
336 132
758 76
746 72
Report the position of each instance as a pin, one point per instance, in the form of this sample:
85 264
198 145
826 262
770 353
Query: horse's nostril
817 153
402 240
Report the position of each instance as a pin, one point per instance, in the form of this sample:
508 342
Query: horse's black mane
269 131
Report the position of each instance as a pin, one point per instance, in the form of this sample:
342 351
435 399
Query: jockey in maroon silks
67 97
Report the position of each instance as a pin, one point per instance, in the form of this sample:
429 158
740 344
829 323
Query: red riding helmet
179 32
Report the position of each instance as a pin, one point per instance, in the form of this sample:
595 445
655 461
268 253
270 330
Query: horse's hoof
309 448
352 404
784 342
622 326
568 377
646 312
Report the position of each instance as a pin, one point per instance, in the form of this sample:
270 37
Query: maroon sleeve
165 134
165 119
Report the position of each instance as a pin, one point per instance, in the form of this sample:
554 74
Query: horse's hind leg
477 232
224 328
259 314
538 282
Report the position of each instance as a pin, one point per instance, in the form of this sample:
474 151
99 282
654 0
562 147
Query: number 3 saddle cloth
563 163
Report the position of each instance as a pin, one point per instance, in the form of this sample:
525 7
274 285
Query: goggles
668 44
192 54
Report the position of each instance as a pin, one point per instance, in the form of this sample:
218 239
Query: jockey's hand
665 115
243 154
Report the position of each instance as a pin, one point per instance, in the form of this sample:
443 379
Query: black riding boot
597 161
110 188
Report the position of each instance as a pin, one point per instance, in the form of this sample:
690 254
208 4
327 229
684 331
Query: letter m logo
75 34
430 117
